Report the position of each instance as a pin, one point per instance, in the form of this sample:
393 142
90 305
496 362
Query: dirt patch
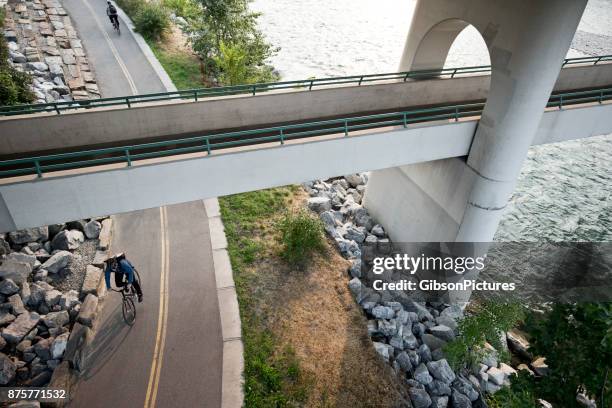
312 312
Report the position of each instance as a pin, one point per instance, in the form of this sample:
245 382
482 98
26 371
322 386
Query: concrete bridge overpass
443 173
168 116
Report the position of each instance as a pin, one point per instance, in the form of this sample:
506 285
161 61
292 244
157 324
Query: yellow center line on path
113 49
162 320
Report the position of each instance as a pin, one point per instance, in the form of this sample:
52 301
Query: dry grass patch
310 315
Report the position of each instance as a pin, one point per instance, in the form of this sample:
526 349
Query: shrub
131 7
520 393
485 325
301 235
14 85
152 21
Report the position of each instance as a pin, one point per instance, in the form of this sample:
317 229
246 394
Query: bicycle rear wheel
129 310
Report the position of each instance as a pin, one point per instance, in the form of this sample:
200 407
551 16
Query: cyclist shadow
109 337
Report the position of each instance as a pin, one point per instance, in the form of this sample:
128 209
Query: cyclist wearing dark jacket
111 12
124 274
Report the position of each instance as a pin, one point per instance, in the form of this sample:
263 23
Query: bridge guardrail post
560 102
127 101
195 95
454 73
406 76
38 170
311 83
208 145
360 79
456 114
127 157
598 59
346 131
405 120
254 89
56 108
282 137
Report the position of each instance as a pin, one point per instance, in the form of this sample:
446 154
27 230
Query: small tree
486 325
230 24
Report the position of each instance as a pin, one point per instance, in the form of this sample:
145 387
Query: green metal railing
280 134
253 89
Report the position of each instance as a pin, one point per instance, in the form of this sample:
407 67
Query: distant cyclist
111 12
125 274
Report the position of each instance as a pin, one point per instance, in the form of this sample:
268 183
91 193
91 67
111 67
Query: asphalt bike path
172 356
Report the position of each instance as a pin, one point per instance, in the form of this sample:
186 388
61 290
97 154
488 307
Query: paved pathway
173 355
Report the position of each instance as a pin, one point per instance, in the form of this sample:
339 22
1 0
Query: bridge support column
462 199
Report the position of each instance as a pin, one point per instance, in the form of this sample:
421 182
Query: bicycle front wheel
129 310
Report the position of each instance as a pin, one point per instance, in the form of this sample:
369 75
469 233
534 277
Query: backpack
112 10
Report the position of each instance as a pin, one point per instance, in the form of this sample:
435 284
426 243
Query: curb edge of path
232 392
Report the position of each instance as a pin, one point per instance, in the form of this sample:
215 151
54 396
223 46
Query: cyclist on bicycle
111 12
124 274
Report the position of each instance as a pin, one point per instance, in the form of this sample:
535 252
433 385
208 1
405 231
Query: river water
564 190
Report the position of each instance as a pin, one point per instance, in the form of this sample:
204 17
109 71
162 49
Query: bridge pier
463 199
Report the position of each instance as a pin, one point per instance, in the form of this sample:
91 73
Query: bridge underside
115 189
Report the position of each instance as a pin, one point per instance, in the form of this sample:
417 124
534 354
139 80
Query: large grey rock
8 287
105 234
357 234
404 361
5 248
23 257
17 271
37 66
465 387
382 349
439 401
437 387
76 225
419 397
362 219
410 341
6 317
455 312
442 371
56 319
319 204
419 309
25 404
17 304
354 180
519 344
29 235
43 348
446 321
458 400
432 341
7 369
92 229
52 297
25 292
496 375
88 310
59 345
383 312
424 353
421 374
443 332
69 299
57 262
20 327
91 281
37 292
67 240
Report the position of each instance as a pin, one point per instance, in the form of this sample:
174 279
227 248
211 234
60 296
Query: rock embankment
408 335
43 42
49 283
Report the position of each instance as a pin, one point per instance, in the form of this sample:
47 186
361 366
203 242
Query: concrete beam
58 199
28 134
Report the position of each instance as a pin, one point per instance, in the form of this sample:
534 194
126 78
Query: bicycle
128 306
116 26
